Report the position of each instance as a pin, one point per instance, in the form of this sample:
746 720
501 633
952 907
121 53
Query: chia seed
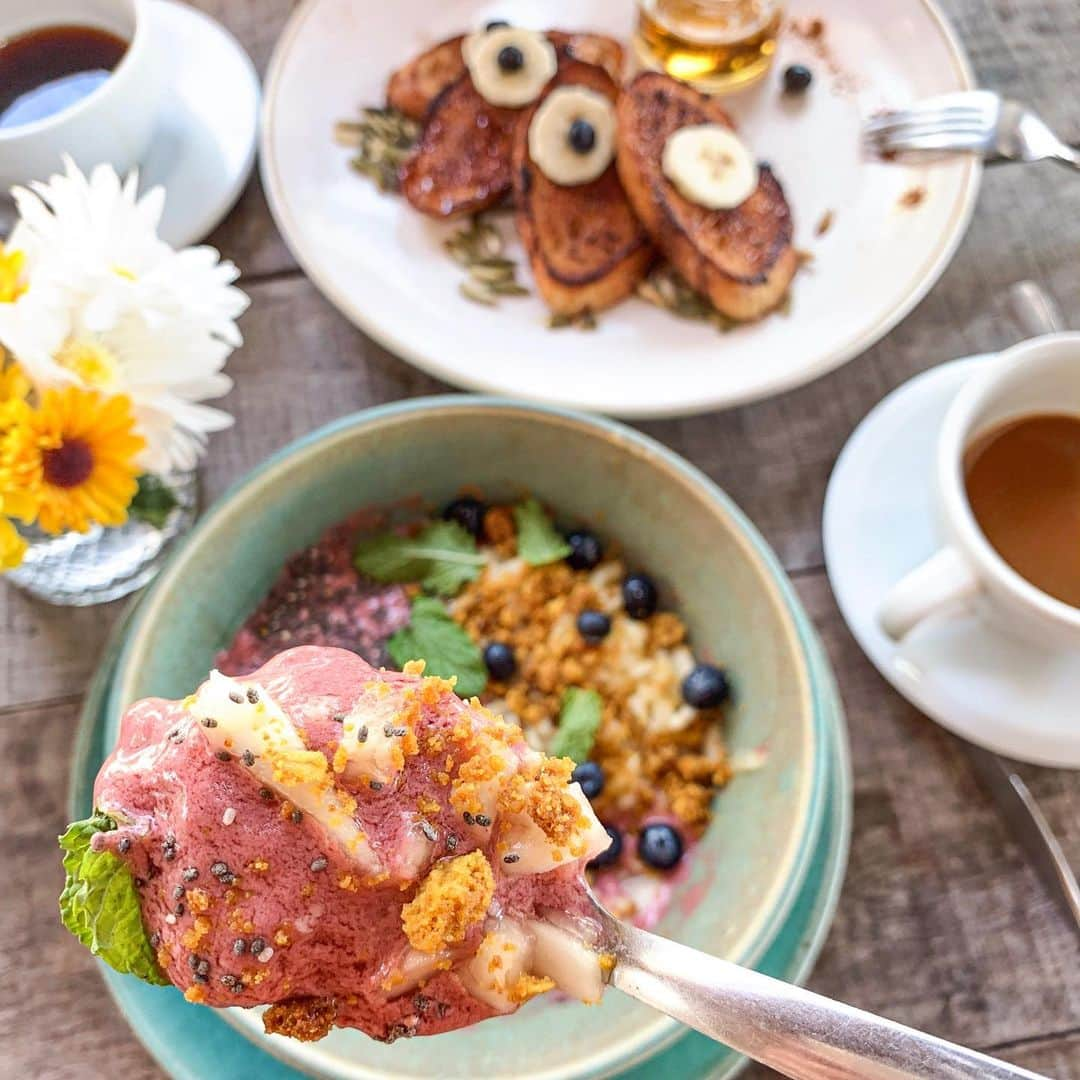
237 987
257 945
296 817
451 842
223 755
192 961
208 721
483 821
239 946
125 845
202 967
228 980
200 978
219 868
317 865
190 873
236 698
338 718
421 1003
253 695
265 794
511 858
155 940
429 831
469 819
361 735
399 732
248 758
179 910
178 892
376 785
168 848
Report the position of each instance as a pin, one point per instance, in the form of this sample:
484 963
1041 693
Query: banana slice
710 165
509 66
572 135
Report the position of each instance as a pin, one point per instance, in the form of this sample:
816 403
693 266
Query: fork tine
917 128
883 125
940 141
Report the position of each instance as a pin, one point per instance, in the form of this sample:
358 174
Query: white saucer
1000 692
204 148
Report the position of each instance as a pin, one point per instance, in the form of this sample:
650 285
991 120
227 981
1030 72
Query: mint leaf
153 502
538 542
434 637
442 557
100 904
579 719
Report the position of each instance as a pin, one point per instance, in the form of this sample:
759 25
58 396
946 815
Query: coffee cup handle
945 579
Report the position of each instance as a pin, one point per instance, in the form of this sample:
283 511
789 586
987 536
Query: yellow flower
71 461
12 282
12 546
14 388
95 365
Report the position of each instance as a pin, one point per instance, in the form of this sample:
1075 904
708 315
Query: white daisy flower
111 306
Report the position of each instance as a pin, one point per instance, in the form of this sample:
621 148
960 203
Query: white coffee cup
1038 376
115 121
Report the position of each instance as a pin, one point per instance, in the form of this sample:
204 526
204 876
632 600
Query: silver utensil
798 1033
979 121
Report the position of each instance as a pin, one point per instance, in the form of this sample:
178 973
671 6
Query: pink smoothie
249 900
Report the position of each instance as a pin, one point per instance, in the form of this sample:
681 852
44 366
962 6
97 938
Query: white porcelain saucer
1000 692
204 148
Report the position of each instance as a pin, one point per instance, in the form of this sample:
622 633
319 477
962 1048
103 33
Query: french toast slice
741 259
585 245
415 85
461 164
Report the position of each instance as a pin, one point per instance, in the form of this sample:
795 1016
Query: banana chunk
710 165
509 66
572 135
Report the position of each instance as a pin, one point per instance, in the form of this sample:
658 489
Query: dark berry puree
320 599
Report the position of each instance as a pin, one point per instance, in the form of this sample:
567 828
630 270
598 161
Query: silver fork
979 121
798 1033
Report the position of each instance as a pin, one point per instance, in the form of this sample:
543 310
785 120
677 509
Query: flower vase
80 569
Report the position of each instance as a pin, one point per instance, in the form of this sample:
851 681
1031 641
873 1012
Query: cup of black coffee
77 77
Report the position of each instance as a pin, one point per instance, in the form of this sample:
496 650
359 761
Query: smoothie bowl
597 591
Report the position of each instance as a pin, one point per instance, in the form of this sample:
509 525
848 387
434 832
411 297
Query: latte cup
1038 376
114 123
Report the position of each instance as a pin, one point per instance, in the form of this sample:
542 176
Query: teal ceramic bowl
713 567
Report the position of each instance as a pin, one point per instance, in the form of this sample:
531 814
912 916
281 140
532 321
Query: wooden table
941 924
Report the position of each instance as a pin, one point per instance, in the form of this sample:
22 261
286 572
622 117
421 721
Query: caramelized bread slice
585 245
462 162
742 259
415 85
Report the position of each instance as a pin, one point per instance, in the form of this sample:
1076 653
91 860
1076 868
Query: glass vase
81 569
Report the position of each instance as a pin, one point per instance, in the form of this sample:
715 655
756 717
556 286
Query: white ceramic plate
382 263
1001 692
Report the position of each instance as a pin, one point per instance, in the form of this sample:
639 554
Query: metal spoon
798 1033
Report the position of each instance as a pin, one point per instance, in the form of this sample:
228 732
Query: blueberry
591 778
495 24
500 660
639 596
611 853
585 550
581 136
660 846
593 626
705 687
467 512
511 58
797 78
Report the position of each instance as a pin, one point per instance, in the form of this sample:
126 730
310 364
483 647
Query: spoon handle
792 1030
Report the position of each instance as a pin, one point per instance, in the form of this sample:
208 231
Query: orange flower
70 462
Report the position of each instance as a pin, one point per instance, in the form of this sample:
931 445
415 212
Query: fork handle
796 1032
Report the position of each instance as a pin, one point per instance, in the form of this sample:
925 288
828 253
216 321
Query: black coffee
47 70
